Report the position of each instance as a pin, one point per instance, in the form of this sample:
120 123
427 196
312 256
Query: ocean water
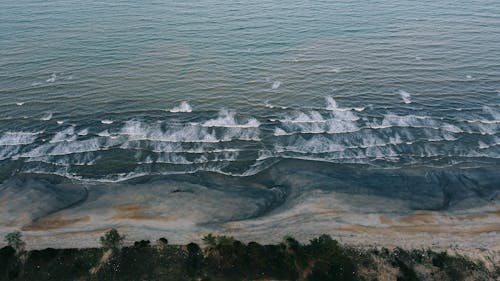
380 95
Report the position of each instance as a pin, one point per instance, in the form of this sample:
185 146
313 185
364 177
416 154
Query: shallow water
111 91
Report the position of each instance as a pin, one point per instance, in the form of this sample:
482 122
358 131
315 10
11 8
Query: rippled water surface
112 90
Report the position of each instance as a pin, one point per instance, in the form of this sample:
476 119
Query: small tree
194 261
209 240
112 239
15 240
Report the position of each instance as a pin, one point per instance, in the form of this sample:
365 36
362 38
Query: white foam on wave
171 158
316 144
214 158
104 133
332 105
265 154
228 119
66 160
8 151
482 145
66 135
405 96
341 126
276 85
176 147
483 121
345 115
313 122
52 78
271 106
47 116
66 148
182 107
304 117
83 132
280 132
487 128
18 138
107 121
413 121
19 103
136 130
495 114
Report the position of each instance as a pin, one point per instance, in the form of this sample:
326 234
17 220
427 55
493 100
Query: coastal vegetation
225 258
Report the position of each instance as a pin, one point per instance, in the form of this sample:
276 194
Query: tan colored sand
461 230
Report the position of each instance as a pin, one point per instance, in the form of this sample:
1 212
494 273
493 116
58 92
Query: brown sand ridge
136 211
419 217
130 211
461 230
54 221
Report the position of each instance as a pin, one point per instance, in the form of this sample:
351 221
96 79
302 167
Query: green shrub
15 240
112 239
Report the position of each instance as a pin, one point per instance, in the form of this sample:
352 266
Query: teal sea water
386 95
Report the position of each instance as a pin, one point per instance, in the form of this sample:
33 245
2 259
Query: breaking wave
232 144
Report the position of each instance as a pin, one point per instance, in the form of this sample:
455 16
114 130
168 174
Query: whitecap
19 103
47 116
228 119
65 148
268 105
136 130
265 154
316 144
104 133
276 85
341 126
405 96
52 78
83 132
492 112
182 107
66 135
280 132
482 145
301 117
331 104
170 158
18 138
414 121
107 122
451 128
